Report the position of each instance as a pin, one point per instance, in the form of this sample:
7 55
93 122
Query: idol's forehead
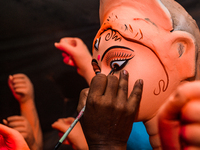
135 25
153 9
119 19
132 18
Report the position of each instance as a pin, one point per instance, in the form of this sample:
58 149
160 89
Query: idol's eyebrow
112 47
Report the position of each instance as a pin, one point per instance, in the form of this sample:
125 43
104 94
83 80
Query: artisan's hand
179 119
76 53
109 113
76 137
21 87
22 125
11 139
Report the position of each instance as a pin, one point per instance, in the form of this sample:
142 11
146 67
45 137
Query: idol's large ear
183 47
198 66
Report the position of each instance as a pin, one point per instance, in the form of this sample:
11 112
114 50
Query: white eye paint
118 64
96 44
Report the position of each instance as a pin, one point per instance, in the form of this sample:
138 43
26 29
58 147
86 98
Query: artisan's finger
190 134
111 87
98 85
136 95
190 113
123 86
82 99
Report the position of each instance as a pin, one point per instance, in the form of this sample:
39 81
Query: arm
11 139
23 91
22 125
109 114
76 54
76 137
179 121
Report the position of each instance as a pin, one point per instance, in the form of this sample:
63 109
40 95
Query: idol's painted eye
117 57
118 64
96 44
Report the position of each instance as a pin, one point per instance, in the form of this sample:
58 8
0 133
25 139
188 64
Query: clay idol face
133 40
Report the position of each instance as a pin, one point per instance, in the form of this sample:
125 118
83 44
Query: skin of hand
76 54
11 139
21 87
22 125
76 137
179 121
23 91
109 114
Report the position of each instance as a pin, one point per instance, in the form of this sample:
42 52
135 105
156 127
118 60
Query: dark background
28 30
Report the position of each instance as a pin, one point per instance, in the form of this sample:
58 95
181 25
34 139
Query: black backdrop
28 30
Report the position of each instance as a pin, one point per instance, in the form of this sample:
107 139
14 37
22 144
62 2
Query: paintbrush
70 128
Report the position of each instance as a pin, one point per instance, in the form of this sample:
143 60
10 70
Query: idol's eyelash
117 56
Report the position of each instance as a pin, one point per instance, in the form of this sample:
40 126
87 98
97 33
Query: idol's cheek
147 66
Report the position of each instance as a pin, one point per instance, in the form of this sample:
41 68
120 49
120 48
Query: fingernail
10 77
141 81
125 72
5 121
